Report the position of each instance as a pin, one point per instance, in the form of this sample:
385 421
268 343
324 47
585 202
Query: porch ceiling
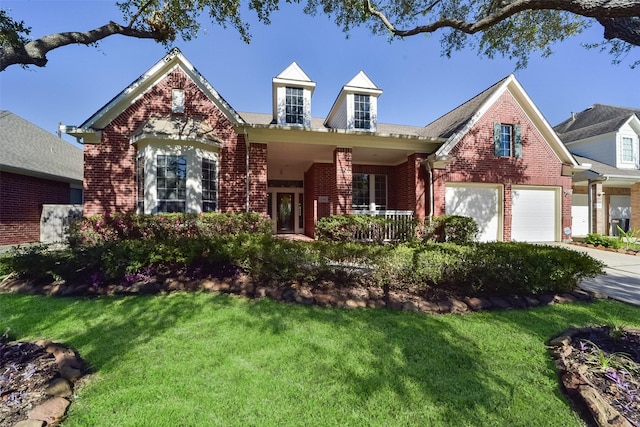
290 161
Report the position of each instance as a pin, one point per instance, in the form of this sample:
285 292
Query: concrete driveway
622 281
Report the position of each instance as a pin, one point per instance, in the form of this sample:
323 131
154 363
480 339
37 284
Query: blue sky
419 85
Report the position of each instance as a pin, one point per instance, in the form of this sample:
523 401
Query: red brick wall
258 177
21 203
475 161
343 181
318 181
110 166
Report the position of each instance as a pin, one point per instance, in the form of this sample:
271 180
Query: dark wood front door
285 213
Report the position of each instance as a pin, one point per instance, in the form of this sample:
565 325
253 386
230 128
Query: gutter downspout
430 172
247 183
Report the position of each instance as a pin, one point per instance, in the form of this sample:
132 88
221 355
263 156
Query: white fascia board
83 135
146 81
543 125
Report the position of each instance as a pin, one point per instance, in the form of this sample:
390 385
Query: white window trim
194 154
372 193
634 150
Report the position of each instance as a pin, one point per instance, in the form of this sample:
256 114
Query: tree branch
599 9
35 52
625 29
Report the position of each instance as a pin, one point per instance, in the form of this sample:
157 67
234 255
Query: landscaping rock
478 304
59 387
51 411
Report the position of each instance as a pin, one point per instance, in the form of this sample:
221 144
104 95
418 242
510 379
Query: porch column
635 207
597 209
418 185
342 191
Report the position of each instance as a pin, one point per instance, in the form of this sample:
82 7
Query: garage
480 202
535 214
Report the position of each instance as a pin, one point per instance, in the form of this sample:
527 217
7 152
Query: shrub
604 241
451 228
97 229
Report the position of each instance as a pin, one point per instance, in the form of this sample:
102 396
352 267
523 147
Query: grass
205 359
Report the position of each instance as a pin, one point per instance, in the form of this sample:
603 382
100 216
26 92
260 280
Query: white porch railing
397 227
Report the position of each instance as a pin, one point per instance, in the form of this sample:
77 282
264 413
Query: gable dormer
292 90
356 107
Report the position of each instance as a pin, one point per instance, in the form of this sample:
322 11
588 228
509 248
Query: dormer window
177 100
356 108
294 106
361 112
292 90
627 149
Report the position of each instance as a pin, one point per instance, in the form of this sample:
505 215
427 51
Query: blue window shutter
517 141
497 127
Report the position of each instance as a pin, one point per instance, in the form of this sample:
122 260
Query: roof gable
31 150
293 72
457 123
174 59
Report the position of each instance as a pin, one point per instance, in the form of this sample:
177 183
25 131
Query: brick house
36 168
170 143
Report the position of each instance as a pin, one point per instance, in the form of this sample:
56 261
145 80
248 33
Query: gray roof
603 169
596 120
456 119
30 150
318 123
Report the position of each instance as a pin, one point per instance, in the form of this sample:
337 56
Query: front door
285 213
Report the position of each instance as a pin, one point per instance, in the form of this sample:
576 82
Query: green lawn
217 360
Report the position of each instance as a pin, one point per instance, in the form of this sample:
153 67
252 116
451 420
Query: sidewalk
622 281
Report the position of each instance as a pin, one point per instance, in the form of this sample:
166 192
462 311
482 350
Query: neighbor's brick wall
21 203
110 183
475 161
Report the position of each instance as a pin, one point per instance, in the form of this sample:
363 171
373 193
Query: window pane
505 140
627 149
294 105
381 192
209 185
140 184
171 183
362 117
360 195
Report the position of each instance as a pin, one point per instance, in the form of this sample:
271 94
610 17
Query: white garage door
580 215
534 215
478 202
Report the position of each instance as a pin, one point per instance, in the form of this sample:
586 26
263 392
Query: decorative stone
429 307
69 373
324 299
562 340
50 411
29 423
59 387
410 306
458 306
478 304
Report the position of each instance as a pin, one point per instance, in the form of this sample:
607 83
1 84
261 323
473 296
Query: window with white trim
171 183
361 112
369 192
209 185
627 149
294 105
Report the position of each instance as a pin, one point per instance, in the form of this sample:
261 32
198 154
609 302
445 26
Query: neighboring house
606 194
36 168
170 143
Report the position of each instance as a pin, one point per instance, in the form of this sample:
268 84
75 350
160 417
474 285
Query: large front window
361 112
369 192
171 183
294 107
